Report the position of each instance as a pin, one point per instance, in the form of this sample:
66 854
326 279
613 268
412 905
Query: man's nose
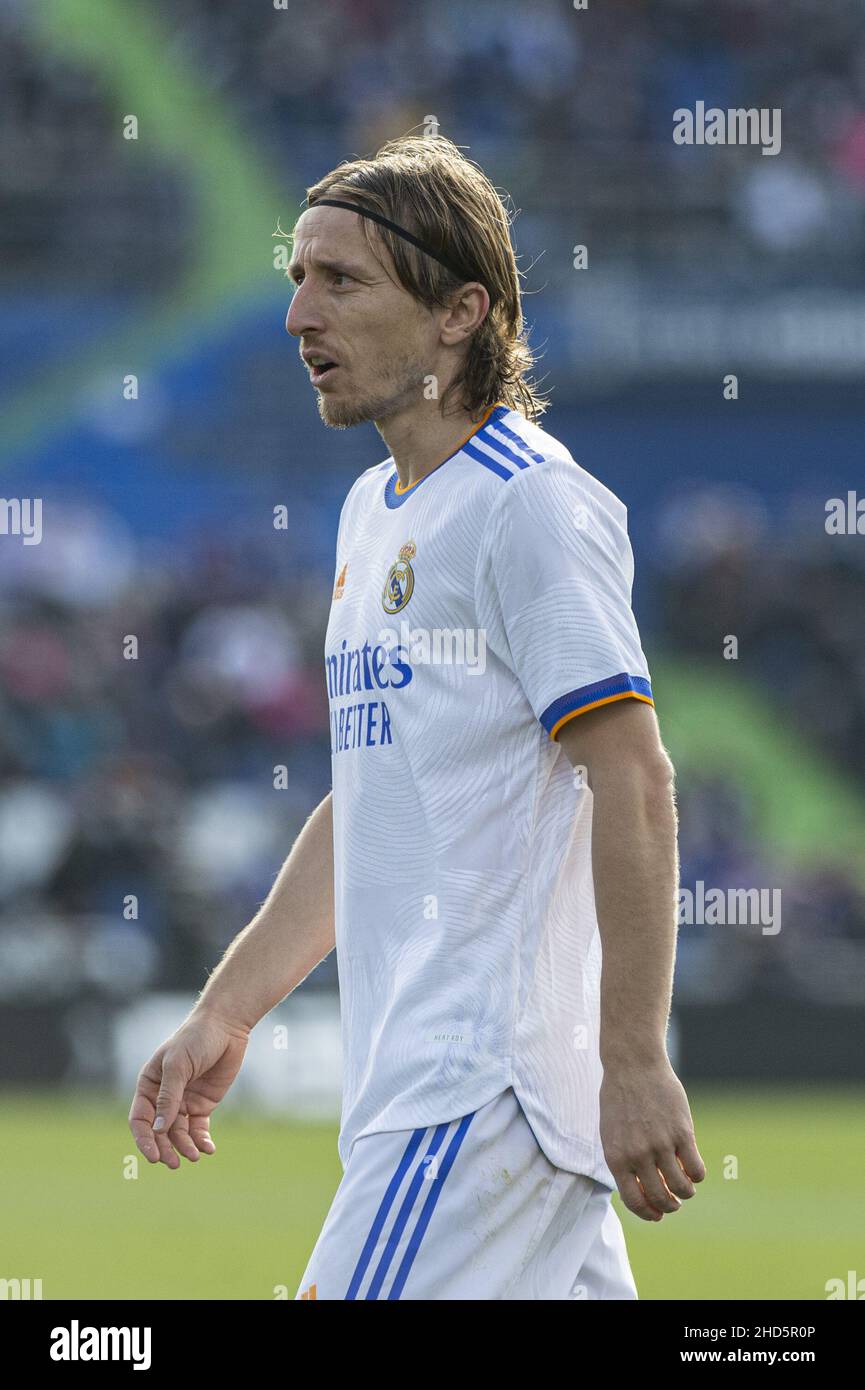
302 316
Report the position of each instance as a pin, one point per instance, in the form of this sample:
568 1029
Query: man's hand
648 1137
181 1085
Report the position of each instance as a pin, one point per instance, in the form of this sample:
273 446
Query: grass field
238 1224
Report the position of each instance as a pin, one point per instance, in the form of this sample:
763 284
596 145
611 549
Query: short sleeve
553 586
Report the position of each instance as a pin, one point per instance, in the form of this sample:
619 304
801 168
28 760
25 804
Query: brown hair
427 186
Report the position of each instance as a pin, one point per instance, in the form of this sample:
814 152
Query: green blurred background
241 1223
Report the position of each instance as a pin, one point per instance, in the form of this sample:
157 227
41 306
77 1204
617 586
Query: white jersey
474 613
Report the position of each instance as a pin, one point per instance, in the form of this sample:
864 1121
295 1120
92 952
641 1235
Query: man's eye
335 275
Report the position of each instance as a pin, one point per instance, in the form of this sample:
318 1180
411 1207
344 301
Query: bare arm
180 1086
646 1126
291 932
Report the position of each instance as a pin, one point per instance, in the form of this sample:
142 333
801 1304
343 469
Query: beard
400 388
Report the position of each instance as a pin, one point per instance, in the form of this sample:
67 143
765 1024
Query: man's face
348 310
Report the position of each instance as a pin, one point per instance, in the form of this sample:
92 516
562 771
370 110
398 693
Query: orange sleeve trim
608 700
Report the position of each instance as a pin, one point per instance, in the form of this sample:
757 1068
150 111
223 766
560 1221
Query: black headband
400 231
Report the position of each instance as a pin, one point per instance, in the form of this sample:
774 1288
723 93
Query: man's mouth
319 370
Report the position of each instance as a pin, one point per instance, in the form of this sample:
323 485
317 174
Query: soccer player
496 864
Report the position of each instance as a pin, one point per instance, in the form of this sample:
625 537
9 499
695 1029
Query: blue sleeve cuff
621 687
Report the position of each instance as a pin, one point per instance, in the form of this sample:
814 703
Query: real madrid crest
399 584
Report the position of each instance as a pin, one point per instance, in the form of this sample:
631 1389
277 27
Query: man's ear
469 307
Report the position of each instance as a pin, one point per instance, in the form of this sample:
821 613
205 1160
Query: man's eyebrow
343 267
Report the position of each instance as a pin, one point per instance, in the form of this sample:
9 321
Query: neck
419 439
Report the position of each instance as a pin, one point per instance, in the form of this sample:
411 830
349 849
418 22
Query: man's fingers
158 1118
166 1151
659 1187
168 1101
634 1198
688 1156
199 1131
674 1176
142 1111
655 1188
160 1148
145 1142
181 1139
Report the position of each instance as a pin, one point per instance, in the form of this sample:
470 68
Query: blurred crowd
574 106
163 720
780 602
164 734
162 740
790 593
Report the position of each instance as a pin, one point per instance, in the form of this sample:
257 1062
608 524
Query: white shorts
470 1209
